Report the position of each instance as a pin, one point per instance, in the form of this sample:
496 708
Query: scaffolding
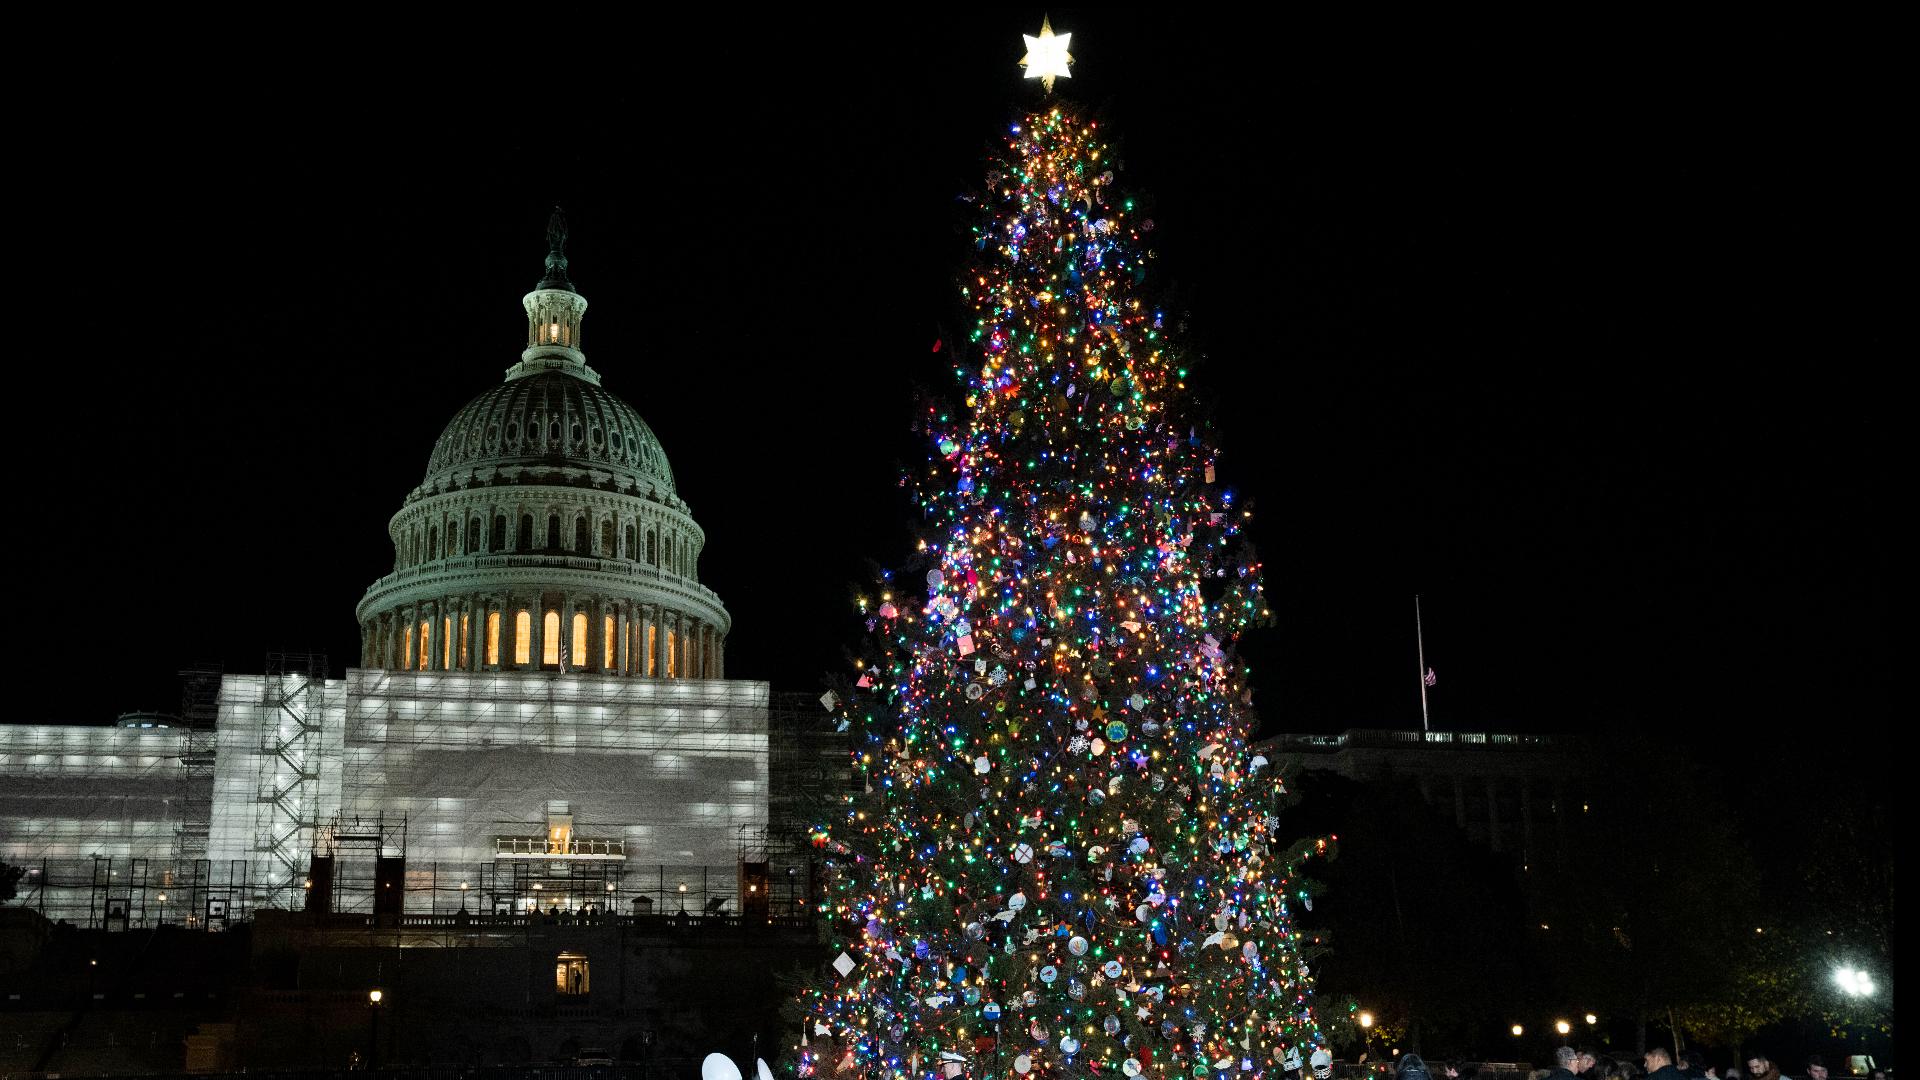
351 883
292 710
199 716
71 796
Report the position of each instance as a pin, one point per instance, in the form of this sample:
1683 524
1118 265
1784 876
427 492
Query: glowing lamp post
374 997
1563 1027
1518 1031
1592 1019
1853 982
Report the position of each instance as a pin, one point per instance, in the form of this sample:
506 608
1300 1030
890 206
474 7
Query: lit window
446 642
406 650
653 640
609 638
550 638
522 638
570 974
466 632
493 637
673 640
424 654
553 332
579 651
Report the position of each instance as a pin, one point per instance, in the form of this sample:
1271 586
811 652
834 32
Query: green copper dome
550 418
547 534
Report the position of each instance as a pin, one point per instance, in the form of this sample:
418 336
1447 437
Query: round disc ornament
1131 1066
1048 974
1077 945
1023 853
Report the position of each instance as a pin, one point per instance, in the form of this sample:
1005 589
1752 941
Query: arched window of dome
626 552
498 541
606 538
582 537
406 649
466 635
579 652
424 643
653 548
609 636
550 638
522 637
433 541
553 532
526 537
453 539
473 535
493 638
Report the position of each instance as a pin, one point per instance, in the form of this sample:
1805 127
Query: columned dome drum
547 533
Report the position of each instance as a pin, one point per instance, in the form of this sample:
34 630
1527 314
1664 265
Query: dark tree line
1661 902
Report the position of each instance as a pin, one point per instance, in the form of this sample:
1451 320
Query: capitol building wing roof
547 532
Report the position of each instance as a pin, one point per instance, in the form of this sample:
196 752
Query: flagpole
1420 638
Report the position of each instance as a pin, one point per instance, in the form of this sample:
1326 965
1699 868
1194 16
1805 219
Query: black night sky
1577 335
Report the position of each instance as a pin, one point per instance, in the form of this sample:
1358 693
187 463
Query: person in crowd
1761 1067
1660 1066
1693 1065
1565 1060
1816 1067
1585 1065
1411 1067
1608 1069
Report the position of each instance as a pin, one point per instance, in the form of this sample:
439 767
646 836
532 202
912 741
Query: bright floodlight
1562 1026
1518 1031
1366 1019
1854 981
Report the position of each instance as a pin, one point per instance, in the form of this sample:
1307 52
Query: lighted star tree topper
1067 861
1047 56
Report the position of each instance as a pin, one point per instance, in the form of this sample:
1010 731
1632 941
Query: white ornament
1023 853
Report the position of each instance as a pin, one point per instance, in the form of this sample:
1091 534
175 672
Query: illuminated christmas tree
1067 860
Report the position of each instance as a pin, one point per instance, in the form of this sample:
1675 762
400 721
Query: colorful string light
1067 860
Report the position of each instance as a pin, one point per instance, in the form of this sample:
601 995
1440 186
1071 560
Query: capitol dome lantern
547 533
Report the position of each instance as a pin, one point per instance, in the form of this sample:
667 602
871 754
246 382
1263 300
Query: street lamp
1518 1031
1592 1019
374 997
1563 1027
1854 982
1366 1019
